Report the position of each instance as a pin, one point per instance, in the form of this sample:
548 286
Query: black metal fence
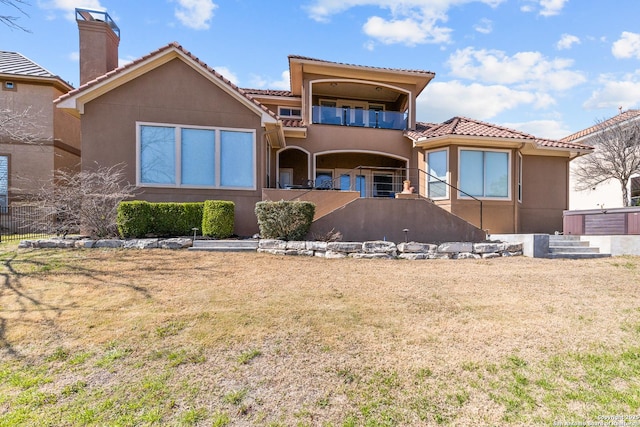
22 222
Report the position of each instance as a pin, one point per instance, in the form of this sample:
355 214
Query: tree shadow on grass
27 305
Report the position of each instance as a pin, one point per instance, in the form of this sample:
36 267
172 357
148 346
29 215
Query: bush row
285 220
140 218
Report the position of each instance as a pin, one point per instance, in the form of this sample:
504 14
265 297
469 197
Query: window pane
345 182
437 189
437 161
198 157
157 155
4 183
324 180
361 185
471 171
236 159
496 172
4 175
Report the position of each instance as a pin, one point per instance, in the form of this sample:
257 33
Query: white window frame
447 178
463 196
520 163
291 116
178 157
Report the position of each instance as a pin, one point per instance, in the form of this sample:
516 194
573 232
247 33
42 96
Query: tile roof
18 64
462 126
292 123
623 116
269 92
157 52
306 58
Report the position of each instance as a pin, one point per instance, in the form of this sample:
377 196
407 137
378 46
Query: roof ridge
307 58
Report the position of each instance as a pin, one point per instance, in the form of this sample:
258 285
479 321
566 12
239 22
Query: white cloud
69 6
260 82
485 26
195 14
567 41
74 56
550 129
614 94
228 74
628 46
551 7
409 22
443 100
525 69
547 7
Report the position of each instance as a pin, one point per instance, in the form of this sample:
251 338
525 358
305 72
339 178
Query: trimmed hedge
140 218
285 220
218 219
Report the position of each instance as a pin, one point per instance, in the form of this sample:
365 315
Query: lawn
159 337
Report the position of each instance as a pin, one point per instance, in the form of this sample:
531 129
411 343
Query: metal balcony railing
359 117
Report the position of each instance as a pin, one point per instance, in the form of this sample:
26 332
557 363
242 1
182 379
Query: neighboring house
607 194
188 134
35 137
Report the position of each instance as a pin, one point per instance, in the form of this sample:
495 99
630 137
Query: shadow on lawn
25 301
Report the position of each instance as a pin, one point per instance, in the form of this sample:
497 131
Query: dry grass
190 338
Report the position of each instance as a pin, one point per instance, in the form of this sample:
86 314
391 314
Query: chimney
99 40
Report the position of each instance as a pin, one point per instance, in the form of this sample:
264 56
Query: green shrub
218 218
286 220
140 218
134 218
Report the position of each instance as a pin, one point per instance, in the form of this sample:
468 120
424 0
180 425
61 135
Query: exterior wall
33 164
544 194
30 167
385 219
606 195
173 93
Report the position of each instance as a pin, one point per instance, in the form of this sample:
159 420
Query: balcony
359 117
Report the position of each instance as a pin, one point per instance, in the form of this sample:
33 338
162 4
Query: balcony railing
359 117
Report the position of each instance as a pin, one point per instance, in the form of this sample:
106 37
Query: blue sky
548 67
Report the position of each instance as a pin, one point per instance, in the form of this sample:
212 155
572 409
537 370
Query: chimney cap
97 15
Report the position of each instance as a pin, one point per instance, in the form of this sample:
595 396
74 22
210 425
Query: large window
484 173
4 183
437 166
181 156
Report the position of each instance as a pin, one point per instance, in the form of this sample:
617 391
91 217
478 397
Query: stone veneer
389 250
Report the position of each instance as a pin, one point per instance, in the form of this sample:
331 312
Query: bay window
196 157
484 173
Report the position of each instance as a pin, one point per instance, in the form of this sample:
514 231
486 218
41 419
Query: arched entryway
293 168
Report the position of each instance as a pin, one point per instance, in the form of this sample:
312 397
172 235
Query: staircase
571 247
225 245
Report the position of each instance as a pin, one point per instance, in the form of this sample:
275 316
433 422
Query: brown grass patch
266 340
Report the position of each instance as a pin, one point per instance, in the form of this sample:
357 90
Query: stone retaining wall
389 250
368 250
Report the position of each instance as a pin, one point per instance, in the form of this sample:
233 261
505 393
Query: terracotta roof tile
173 45
550 143
269 92
623 116
292 123
306 58
463 126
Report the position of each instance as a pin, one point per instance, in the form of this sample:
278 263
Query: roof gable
620 118
76 99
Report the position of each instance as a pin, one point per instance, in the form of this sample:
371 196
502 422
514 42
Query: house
345 136
36 138
607 194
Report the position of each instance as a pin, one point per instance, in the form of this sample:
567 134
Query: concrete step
574 255
573 249
229 245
